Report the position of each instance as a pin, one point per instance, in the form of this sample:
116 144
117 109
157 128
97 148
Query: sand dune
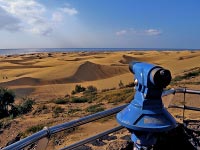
87 71
127 59
90 71
62 71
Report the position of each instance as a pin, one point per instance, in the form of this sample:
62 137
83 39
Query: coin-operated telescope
146 116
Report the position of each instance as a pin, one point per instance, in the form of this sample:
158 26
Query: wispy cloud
69 11
59 14
121 32
131 31
152 32
31 16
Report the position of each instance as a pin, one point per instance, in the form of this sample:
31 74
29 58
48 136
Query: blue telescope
146 116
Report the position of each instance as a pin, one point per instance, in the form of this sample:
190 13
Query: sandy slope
50 74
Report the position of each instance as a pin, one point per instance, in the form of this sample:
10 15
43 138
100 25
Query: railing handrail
85 141
47 132
189 91
185 107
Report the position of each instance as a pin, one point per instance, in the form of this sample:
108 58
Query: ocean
48 50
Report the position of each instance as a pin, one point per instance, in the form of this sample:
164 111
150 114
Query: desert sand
49 75
45 76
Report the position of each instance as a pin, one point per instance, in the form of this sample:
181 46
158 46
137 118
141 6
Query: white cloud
32 16
121 32
69 11
57 16
139 32
152 32
30 13
60 13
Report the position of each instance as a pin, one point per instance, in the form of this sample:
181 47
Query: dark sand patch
127 59
23 67
22 81
22 92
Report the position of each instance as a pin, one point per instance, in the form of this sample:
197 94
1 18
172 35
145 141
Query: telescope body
145 115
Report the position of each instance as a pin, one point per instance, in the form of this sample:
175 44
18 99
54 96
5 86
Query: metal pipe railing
168 92
86 119
189 91
85 141
52 130
180 90
28 140
185 107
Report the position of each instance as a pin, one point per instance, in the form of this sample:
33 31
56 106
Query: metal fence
40 139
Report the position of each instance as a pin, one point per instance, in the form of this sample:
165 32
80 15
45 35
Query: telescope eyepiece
161 77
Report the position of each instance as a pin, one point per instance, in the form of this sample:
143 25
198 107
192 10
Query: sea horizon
20 51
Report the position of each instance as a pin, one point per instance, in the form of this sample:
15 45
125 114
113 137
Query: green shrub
79 100
91 89
121 84
14 112
130 84
58 109
7 98
95 108
61 101
34 129
186 76
26 106
73 92
118 96
71 111
78 89
41 109
105 90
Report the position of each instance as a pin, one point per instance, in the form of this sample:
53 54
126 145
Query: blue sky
102 23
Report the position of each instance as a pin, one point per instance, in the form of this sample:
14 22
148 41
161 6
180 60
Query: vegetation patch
26 105
34 129
57 110
61 100
41 109
78 89
186 76
91 89
72 111
7 107
95 108
192 83
7 98
79 100
118 96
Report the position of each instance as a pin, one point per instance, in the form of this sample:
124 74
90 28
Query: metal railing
47 132
41 138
